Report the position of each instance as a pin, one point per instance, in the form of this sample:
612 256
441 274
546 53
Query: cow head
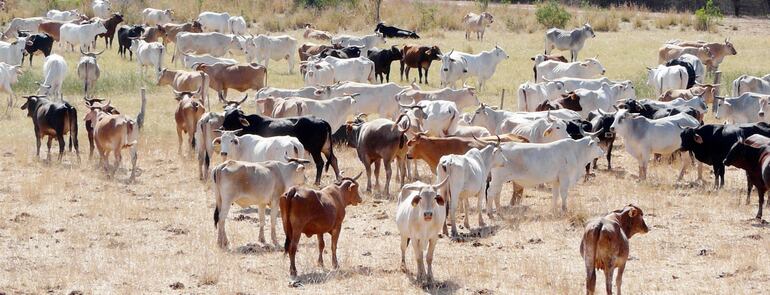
500 53
555 128
395 53
588 31
31 104
762 106
570 101
484 116
349 188
632 220
622 119
488 18
434 53
730 46
427 200
593 66
44 89
737 156
724 108
229 143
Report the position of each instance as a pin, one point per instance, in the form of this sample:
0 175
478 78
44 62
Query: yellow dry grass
65 227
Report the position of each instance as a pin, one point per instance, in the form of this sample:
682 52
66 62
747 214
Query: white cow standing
102 8
266 48
148 54
255 148
665 78
54 72
237 25
459 66
552 70
63 16
9 75
477 23
573 40
81 35
13 53
153 17
215 22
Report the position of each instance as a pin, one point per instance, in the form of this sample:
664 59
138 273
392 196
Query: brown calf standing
313 212
419 57
90 116
431 149
605 244
240 77
707 91
54 120
188 112
171 30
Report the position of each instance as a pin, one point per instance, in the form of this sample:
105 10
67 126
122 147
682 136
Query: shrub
604 22
552 14
707 17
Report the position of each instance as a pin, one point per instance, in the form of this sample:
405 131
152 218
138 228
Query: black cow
710 143
603 121
393 32
314 134
751 155
690 70
382 59
345 52
38 42
125 33
53 120
652 111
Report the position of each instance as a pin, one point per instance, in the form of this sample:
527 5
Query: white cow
81 35
255 148
13 53
551 70
496 120
367 42
102 8
477 23
643 137
530 95
215 22
319 73
560 163
214 44
603 99
373 98
467 177
746 83
148 54
237 25
742 109
664 78
248 184
190 61
540 130
335 111
420 215
470 131
63 16
9 75
697 66
459 66
54 72
437 117
153 17
568 40
359 69
264 48
572 84
29 24
311 92
463 98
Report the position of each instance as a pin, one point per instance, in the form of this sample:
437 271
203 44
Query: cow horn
357 176
600 112
615 107
479 140
244 98
592 134
442 183
81 51
100 52
548 116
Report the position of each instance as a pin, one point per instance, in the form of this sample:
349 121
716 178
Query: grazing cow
153 17
266 48
54 72
604 98
664 78
573 40
255 148
240 77
204 141
9 75
670 52
477 23
110 24
605 244
148 54
382 139
247 184
101 8
313 133
30 25
172 30
189 111
463 98
183 81
746 83
214 44
751 156
52 120
13 53
63 16
394 32
125 35
531 95
552 70
81 35
560 163
707 91
420 57
358 69
237 25
420 215
215 22
38 42
314 212
745 108
467 177
113 133
382 59
643 137
88 70
367 41
459 66
312 33
710 144
191 61
334 111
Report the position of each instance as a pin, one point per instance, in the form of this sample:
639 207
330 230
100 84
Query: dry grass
66 227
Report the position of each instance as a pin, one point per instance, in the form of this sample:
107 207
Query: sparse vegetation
707 17
552 14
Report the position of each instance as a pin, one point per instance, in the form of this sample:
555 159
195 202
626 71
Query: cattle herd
567 118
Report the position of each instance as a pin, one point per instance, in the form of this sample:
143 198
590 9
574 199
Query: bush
552 14
707 17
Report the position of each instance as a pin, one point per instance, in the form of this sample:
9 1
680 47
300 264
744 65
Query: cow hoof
295 284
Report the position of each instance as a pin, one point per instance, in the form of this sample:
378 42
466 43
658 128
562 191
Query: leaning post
717 90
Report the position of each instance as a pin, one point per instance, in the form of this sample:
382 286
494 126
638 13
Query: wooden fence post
717 90
502 99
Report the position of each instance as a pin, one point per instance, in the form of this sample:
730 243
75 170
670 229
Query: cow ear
24 106
547 132
582 64
428 52
217 141
698 139
440 200
415 200
633 212
244 122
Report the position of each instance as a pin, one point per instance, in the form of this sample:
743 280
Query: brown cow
152 34
110 24
669 52
52 120
188 112
570 101
605 244
313 212
718 50
183 81
420 57
431 149
88 120
382 139
240 77
309 49
171 30
51 27
707 91
312 33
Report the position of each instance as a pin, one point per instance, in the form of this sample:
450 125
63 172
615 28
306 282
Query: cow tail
328 142
524 95
285 204
265 78
215 173
72 113
160 61
451 122
595 234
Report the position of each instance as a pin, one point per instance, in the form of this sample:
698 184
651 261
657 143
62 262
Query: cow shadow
256 249
322 276
759 223
435 287
476 234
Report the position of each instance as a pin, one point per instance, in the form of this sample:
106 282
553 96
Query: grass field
65 227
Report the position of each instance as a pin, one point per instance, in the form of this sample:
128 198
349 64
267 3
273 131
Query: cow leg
429 257
749 186
273 220
60 139
319 165
404 244
401 69
590 277
262 209
180 140
478 208
609 156
294 242
37 142
377 174
368 168
118 160
387 73
134 157
320 250
335 237
453 213
608 278
554 195
685 164
619 279
761 192
417 247
388 174
50 141
419 71
518 194
467 209
221 234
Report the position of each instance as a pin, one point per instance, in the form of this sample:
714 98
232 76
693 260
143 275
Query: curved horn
440 184
244 98
100 52
357 176
81 51
593 134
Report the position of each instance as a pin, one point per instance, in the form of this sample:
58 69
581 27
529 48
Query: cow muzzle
223 154
612 130
761 114
428 216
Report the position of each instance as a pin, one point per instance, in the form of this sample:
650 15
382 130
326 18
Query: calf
312 33
189 111
313 212
110 24
394 32
420 214
382 139
751 155
52 120
669 52
125 36
605 244
382 59
38 42
172 30
240 77
707 91
419 57
88 70
88 120
477 23
249 184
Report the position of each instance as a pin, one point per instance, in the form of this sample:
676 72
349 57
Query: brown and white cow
570 101
707 91
312 33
